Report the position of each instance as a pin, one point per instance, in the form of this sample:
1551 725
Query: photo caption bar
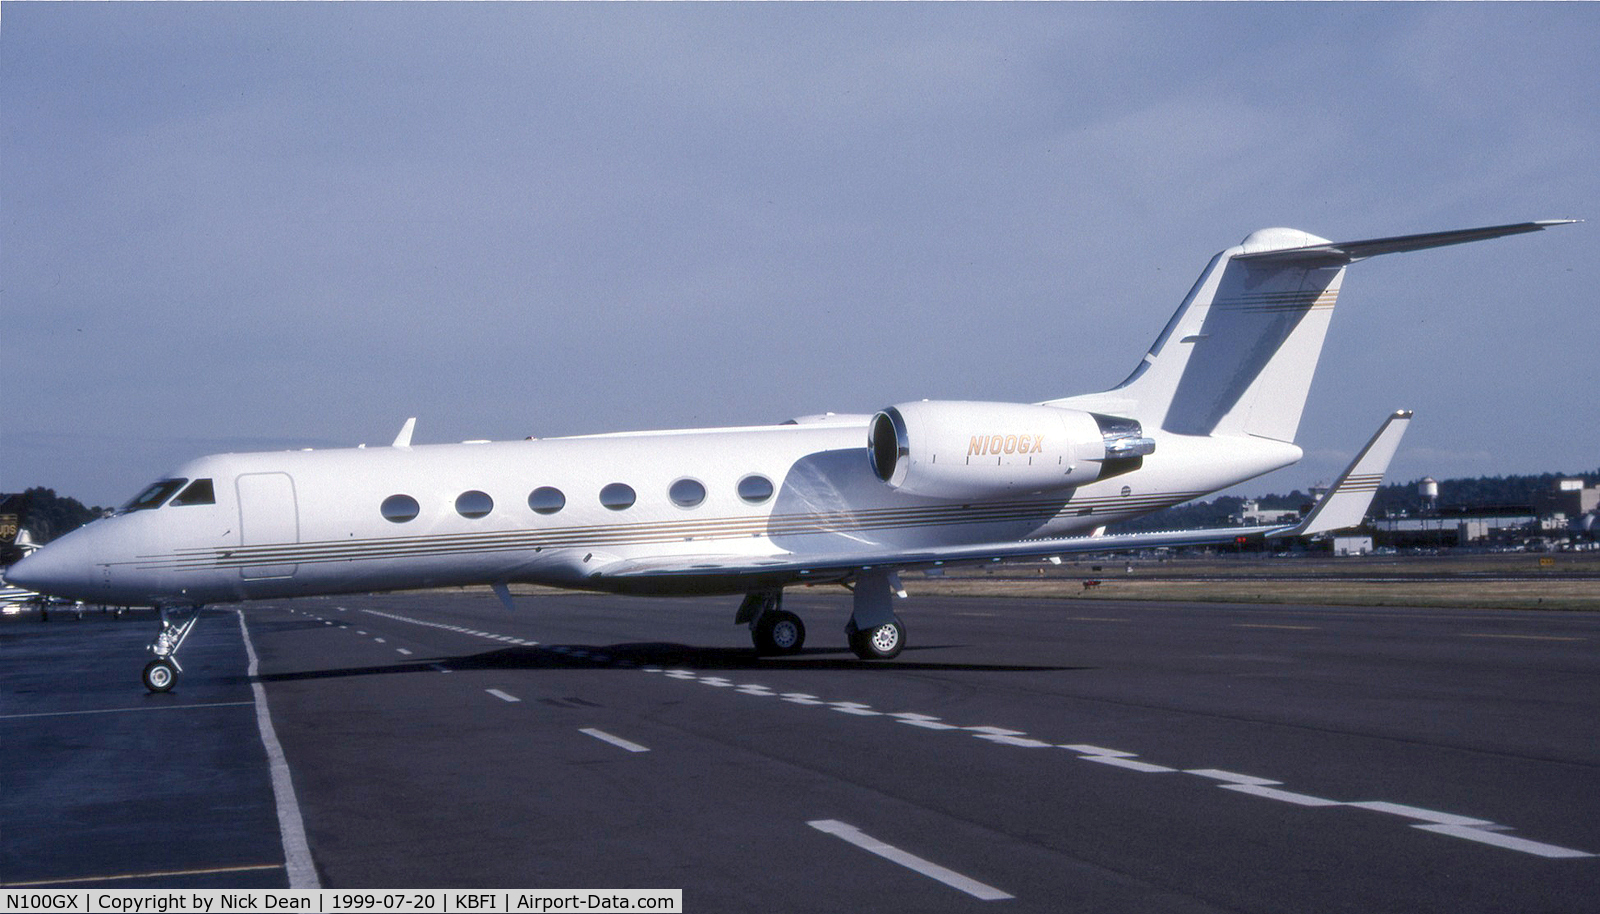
333 901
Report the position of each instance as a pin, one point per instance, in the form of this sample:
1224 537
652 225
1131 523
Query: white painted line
854 707
1023 741
1099 750
1231 777
1273 793
1522 637
214 704
380 640
753 689
617 741
1418 813
801 698
925 721
297 862
1007 737
403 651
360 632
718 681
1506 841
951 878
1128 763
209 871
502 695
440 667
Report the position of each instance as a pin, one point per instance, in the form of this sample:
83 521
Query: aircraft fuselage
296 523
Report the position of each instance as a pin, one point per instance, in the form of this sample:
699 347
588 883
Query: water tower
1428 489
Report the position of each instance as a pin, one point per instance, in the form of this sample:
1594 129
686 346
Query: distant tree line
46 515
1484 491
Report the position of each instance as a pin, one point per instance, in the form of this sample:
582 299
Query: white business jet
841 499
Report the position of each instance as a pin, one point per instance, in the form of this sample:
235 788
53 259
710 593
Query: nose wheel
160 675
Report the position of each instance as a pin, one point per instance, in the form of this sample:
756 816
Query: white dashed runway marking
1450 824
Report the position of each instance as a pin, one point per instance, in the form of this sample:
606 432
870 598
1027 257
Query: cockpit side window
154 495
200 492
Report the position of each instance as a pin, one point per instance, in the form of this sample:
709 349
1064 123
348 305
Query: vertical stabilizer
1238 356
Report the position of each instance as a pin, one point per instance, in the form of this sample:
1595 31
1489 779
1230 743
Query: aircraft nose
56 569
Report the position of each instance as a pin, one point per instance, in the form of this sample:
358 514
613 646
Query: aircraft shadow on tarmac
662 654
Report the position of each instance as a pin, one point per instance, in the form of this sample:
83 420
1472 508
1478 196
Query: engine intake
960 449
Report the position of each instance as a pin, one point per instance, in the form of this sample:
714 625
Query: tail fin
1238 356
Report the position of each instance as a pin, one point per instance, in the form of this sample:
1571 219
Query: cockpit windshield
200 492
154 495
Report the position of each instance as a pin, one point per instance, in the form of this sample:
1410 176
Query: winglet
1346 503
404 438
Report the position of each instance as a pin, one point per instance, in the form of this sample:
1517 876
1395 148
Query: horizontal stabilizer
1338 253
1346 503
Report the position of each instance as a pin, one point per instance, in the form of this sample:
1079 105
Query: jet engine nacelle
957 449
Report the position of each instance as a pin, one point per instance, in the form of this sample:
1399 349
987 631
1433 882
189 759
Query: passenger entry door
269 521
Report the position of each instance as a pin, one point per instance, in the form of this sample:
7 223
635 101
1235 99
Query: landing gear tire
885 642
778 633
160 675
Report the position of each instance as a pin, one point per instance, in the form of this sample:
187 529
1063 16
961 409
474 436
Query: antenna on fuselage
404 438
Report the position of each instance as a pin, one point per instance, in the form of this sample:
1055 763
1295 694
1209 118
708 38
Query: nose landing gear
161 674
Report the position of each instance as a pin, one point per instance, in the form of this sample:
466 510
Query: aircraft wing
1345 505
800 568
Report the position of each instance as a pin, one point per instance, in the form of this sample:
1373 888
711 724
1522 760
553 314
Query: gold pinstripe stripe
1109 508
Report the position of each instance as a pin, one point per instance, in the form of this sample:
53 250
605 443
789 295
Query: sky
230 227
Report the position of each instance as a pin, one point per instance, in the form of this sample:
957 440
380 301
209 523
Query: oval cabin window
755 488
617 496
400 508
546 500
474 504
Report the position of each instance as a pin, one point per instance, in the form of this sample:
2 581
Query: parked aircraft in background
826 499
13 598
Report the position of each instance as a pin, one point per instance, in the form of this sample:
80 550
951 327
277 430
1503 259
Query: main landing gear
774 631
161 674
874 631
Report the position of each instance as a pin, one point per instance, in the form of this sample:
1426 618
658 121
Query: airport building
1568 508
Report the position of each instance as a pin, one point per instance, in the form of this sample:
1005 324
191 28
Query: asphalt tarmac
1039 755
